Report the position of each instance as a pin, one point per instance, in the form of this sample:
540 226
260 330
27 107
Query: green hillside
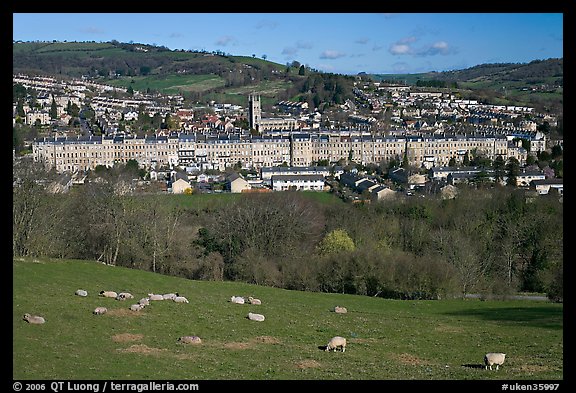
539 83
387 339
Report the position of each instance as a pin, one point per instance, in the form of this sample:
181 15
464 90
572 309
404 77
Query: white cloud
400 49
331 54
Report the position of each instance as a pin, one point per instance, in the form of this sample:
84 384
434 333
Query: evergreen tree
53 109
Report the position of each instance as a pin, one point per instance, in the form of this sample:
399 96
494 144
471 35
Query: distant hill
198 75
539 82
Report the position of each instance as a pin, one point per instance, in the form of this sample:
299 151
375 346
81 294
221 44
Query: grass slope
387 339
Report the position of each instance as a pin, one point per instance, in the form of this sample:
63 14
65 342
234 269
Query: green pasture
387 339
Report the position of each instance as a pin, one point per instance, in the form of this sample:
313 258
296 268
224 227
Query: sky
344 43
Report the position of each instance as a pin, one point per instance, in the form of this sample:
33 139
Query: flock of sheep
335 343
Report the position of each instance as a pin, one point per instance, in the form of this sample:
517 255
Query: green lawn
387 339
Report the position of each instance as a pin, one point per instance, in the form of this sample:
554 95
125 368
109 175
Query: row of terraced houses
71 154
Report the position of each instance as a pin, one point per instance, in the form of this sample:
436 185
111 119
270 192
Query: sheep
237 299
145 301
81 292
336 342
340 310
170 296
124 296
190 340
137 307
100 311
494 358
108 294
34 319
255 317
152 296
180 299
251 300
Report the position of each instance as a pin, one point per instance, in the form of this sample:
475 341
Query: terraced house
298 149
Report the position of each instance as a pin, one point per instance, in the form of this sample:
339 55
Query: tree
53 109
466 159
130 90
499 167
335 242
302 70
512 171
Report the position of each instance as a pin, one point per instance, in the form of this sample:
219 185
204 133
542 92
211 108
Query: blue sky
345 43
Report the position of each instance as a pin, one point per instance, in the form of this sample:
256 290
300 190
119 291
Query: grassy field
171 84
387 339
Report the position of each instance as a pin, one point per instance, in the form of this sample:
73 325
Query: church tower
254 111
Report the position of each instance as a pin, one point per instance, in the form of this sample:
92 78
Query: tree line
488 241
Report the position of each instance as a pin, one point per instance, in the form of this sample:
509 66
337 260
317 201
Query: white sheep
336 342
137 307
237 299
34 319
81 292
190 340
100 311
251 300
180 299
255 317
124 296
145 301
170 296
152 296
340 310
108 294
494 358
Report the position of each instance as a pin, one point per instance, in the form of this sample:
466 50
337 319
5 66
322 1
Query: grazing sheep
170 296
237 299
34 319
255 317
152 296
137 307
493 358
336 342
100 311
124 296
81 292
340 310
109 294
180 299
145 301
190 340
251 300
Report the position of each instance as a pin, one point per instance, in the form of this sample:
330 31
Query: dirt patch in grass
308 363
252 342
530 368
238 345
143 349
406 358
127 337
267 340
